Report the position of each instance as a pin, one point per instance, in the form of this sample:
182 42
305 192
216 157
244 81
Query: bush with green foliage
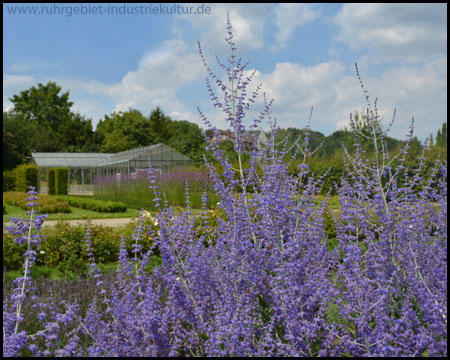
64 243
51 181
9 180
12 252
47 205
94 205
26 176
61 181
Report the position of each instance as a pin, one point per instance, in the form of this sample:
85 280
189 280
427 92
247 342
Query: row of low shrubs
64 243
47 205
94 205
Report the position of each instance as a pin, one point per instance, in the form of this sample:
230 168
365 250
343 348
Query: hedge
9 180
61 181
51 181
26 176
47 205
94 205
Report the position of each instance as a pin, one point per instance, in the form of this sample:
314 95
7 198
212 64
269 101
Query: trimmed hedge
26 176
61 181
94 205
47 205
9 180
51 181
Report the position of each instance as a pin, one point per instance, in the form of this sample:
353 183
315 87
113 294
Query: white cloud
156 81
248 21
89 107
159 76
290 16
418 92
295 88
412 91
395 32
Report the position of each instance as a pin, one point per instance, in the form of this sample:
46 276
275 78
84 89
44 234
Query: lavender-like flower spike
153 186
94 271
21 234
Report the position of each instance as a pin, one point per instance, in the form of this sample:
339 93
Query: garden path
104 222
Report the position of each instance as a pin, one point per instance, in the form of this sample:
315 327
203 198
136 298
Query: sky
116 57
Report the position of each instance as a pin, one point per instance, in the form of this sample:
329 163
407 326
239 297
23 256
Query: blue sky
304 55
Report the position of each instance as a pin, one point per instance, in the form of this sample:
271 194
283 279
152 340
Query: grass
76 214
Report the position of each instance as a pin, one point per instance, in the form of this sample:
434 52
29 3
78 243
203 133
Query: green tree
46 109
187 138
159 125
76 135
18 139
124 130
43 104
431 140
115 142
441 137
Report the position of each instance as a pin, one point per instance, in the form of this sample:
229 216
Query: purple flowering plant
170 183
261 282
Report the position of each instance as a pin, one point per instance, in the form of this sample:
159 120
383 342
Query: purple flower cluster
261 282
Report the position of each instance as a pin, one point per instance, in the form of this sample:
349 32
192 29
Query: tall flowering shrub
261 282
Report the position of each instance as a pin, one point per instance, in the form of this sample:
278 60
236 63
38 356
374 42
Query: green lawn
76 214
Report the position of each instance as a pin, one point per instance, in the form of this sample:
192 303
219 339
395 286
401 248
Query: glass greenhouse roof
71 160
158 153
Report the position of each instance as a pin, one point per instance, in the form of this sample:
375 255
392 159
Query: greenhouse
84 168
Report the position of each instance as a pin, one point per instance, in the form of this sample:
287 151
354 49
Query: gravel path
105 222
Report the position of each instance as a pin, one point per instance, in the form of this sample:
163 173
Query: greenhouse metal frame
85 167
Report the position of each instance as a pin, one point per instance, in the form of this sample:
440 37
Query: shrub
94 205
47 205
26 176
9 180
61 181
12 253
51 181
66 244
262 283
